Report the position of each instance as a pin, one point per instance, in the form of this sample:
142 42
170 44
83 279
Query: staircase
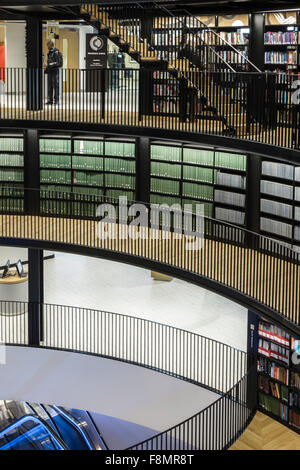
197 50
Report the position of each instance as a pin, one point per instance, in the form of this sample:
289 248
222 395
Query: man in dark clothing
52 70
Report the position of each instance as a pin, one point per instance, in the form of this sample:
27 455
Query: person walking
54 63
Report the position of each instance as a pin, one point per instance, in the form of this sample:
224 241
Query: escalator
44 427
30 433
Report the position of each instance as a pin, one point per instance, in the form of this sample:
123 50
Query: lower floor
264 433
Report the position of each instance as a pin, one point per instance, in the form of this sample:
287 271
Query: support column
31 171
253 193
34 72
143 169
35 296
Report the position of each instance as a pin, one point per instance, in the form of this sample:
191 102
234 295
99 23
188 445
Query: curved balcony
237 110
180 354
251 269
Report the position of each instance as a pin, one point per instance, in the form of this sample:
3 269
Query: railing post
35 296
34 72
31 172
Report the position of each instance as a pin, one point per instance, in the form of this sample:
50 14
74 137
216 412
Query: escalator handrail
72 421
39 421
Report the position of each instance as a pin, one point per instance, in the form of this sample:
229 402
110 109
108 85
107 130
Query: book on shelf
276 208
275 389
277 189
202 157
198 191
165 169
273 332
234 37
11 144
119 165
86 178
273 370
87 163
164 186
89 147
281 37
279 57
230 198
161 152
55 161
11 174
230 215
119 181
274 406
230 160
55 145
278 170
198 173
273 351
119 149
8 159
55 176
228 179
295 380
295 419
294 399
278 228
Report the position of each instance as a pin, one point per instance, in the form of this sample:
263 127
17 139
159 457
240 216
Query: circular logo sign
96 43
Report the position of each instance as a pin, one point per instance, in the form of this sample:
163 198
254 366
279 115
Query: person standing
54 63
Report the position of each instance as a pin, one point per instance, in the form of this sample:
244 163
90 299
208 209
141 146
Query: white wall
15 44
146 402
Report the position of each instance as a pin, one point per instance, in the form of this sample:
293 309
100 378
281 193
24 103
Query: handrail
39 421
173 351
250 107
181 354
179 437
224 256
207 28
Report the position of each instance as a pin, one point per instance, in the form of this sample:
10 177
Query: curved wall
141 401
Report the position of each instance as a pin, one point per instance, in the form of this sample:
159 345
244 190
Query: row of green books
119 181
11 205
8 159
198 191
200 157
231 160
55 161
89 179
195 173
55 145
162 152
91 147
56 176
11 144
165 169
207 206
119 165
116 193
88 163
121 149
12 175
164 186
272 405
157 199
69 208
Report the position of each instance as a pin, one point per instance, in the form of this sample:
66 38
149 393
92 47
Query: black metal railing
214 428
259 271
156 346
257 107
173 351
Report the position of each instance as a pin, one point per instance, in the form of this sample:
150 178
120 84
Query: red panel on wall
2 62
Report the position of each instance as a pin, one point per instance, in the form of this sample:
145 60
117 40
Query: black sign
96 51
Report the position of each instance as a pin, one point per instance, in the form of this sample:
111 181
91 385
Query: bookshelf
187 174
12 171
93 165
278 373
280 202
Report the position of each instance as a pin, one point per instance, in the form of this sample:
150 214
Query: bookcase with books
191 174
278 373
85 165
280 202
12 171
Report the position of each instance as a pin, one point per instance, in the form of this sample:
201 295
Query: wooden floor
265 433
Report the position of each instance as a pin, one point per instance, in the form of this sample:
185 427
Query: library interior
149 225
